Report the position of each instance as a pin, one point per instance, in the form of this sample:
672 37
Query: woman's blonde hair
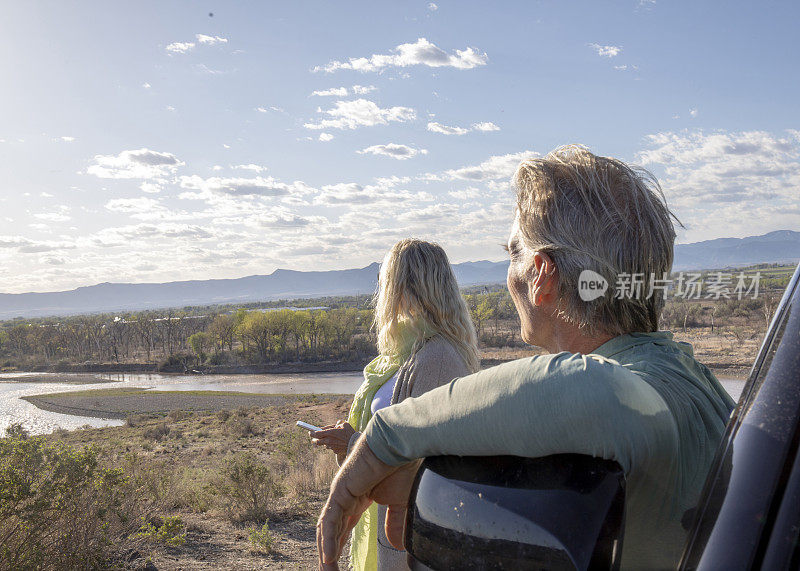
417 284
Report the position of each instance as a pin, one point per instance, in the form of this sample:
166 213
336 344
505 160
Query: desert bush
249 487
60 508
240 427
16 430
133 420
178 415
311 474
223 415
261 540
167 531
156 432
155 480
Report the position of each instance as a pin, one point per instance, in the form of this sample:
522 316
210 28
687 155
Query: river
36 421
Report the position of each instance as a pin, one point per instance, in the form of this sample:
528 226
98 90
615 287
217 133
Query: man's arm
534 407
362 479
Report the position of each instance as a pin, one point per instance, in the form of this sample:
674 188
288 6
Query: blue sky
159 142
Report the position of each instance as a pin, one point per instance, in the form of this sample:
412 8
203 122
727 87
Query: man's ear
543 286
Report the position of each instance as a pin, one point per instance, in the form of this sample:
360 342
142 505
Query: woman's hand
335 437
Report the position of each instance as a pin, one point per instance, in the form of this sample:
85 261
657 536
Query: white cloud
68 139
446 129
693 112
428 214
485 126
325 137
333 91
400 152
470 193
133 205
282 219
723 184
150 187
250 167
140 163
52 216
432 7
180 47
606 51
186 47
210 40
421 52
361 113
237 186
122 235
354 194
344 92
496 167
435 127
146 85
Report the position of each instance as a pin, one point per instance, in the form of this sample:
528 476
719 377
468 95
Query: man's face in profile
520 269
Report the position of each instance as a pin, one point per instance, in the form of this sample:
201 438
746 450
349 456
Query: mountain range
782 246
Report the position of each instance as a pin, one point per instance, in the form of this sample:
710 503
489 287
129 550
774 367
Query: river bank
121 403
181 368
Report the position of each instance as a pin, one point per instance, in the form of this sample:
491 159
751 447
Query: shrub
178 415
223 415
16 430
249 486
59 508
241 427
156 432
168 531
261 540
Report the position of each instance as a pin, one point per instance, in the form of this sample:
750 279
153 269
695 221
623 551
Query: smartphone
307 426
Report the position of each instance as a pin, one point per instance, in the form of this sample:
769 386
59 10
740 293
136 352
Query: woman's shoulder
438 348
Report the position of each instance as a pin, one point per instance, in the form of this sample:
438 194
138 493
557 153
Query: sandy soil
120 403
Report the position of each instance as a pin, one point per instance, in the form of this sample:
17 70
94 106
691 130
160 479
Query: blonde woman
425 339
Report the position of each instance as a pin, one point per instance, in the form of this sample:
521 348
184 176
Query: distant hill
780 246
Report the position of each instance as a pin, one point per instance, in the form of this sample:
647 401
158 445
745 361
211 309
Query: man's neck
567 337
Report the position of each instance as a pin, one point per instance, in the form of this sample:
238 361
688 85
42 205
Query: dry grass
181 464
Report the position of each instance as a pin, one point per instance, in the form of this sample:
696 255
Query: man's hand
361 480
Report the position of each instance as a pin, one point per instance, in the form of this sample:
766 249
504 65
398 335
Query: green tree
200 343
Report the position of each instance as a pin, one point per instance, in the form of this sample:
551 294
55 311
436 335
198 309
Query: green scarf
364 545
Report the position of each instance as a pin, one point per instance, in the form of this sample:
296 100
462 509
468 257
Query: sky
163 141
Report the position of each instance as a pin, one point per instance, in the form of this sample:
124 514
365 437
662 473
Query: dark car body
748 515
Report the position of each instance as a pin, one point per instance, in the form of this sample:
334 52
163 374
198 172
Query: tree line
236 338
269 332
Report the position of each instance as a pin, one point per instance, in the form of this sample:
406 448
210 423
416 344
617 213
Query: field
195 489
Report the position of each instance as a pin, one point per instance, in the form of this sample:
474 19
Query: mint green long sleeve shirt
639 399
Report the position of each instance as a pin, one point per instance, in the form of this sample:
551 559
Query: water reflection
37 421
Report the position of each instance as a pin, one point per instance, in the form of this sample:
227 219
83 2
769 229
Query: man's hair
417 284
597 213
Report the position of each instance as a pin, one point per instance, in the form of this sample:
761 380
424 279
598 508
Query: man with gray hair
612 385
